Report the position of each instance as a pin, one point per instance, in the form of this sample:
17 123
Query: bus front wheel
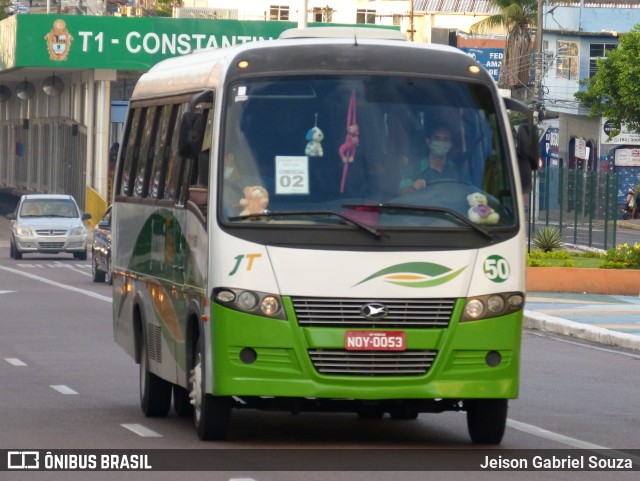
486 419
155 392
212 414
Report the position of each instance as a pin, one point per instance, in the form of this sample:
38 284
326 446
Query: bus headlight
252 302
270 305
247 301
492 305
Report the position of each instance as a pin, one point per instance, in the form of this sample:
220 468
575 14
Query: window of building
366 16
567 63
596 51
279 12
323 14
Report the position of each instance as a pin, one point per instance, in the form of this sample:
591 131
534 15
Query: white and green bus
282 239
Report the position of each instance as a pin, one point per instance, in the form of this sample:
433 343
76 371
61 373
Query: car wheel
14 252
97 274
486 419
212 414
81 256
155 392
109 273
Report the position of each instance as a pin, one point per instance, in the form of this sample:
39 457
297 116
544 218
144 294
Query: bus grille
402 313
371 363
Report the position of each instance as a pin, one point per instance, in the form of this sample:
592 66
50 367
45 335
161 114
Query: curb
544 322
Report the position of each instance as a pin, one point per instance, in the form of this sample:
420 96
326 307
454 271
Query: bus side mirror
191 134
527 144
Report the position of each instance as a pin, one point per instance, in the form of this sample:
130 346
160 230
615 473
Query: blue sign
549 147
490 58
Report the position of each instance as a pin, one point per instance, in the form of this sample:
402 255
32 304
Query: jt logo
23 460
250 259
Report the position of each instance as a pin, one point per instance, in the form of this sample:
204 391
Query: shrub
623 256
547 239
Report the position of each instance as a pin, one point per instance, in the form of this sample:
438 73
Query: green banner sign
127 43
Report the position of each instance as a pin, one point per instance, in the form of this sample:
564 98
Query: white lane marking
57 284
582 344
14 361
6 292
576 443
74 268
62 389
142 431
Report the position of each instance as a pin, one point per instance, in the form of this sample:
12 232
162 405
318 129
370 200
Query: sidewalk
605 319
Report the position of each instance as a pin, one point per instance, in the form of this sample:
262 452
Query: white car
48 223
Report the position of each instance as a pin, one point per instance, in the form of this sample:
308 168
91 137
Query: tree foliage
614 91
3 8
517 17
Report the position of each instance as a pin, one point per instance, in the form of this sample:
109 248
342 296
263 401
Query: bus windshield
386 151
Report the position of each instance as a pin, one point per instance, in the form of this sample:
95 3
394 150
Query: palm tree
517 17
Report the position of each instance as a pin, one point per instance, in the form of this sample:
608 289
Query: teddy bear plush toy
480 212
256 199
314 147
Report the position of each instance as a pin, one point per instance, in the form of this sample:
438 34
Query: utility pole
537 90
302 14
411 29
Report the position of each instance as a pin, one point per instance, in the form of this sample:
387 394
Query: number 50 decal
496 268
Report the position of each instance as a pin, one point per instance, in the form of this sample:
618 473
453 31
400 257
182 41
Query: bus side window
161 151
173 162
132 147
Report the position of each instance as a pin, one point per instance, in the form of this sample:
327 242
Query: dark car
101 250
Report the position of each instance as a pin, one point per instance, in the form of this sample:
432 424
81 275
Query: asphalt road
66 385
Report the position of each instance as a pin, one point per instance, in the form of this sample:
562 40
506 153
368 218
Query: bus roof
205 69
344 32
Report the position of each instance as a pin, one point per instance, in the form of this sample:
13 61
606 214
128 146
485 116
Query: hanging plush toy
314 137
347 150
314 147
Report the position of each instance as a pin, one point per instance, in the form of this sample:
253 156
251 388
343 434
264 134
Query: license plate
375 341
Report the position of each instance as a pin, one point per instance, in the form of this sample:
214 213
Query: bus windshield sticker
292 174
242 94
496 268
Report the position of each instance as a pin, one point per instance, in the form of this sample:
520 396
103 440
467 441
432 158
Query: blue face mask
228 172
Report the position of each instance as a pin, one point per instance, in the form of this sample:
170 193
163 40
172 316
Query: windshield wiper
268 213
426 208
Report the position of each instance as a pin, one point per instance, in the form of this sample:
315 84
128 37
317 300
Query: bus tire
211 414
181 402
155 392
486 419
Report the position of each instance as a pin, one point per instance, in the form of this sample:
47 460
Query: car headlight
252 302
492 305
78 231
24 232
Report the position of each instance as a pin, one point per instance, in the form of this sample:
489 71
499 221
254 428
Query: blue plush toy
314 147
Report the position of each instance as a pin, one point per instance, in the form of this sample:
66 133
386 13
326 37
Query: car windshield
384 151
48 208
